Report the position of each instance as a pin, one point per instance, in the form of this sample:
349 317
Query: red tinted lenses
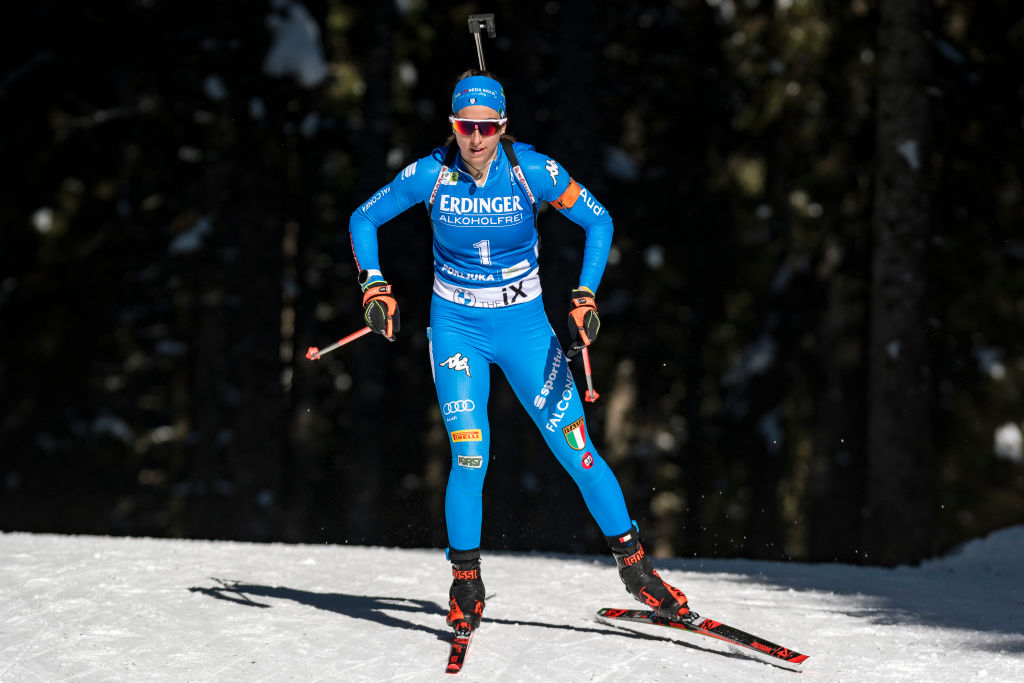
487 127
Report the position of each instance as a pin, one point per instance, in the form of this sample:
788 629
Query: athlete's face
476 148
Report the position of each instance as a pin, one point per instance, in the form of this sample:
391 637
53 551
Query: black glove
380 310
583 321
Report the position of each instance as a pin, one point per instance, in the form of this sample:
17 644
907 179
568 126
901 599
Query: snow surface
128 609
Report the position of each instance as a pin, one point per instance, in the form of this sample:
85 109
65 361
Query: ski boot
643 582
466 595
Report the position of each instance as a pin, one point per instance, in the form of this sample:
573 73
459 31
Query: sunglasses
487 127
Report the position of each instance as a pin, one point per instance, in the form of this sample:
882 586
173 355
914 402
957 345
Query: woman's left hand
584 324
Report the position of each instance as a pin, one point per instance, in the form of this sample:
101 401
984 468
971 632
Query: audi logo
462 406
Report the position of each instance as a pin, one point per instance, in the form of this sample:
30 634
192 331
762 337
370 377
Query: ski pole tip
313 353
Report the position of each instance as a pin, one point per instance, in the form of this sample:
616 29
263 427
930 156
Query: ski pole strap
449 161
517 171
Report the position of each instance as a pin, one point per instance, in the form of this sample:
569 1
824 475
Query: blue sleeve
413 185
552 183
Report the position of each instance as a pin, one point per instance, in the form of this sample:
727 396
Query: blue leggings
464 341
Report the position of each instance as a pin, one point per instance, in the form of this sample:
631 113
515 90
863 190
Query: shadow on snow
379 610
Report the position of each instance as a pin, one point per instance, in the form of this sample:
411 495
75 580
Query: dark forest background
811 318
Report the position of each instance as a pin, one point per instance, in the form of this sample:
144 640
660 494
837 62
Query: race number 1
484 247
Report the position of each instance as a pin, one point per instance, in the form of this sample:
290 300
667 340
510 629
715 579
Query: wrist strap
377 289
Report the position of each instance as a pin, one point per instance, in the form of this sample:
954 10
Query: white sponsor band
518 292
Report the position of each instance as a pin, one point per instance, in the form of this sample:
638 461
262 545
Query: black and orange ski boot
643 582
466 596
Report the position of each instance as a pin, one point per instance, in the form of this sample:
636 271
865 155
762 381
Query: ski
707 627
457 654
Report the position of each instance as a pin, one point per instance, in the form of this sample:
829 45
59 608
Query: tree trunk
898 526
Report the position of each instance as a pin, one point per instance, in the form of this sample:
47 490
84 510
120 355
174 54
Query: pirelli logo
467 435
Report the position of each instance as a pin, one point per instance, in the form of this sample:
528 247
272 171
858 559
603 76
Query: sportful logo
463 406
457 363
588 461
552 168
575 434
563 405
542 398
409 171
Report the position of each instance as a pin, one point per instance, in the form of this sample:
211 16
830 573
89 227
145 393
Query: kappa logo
552 168
458 363
461 435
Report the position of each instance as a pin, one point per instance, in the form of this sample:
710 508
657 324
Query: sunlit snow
117 609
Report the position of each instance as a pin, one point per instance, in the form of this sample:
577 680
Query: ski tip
799 659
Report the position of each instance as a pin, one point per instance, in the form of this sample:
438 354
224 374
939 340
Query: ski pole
313 353
478 22
591 394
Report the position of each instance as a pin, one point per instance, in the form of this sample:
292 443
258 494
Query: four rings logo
463 406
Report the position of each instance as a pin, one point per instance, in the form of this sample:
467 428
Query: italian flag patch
576 434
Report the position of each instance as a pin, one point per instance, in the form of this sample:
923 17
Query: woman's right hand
380 310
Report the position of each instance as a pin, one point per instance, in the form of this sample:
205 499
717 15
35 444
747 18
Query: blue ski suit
486 308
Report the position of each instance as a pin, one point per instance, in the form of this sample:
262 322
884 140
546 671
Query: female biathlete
481 194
